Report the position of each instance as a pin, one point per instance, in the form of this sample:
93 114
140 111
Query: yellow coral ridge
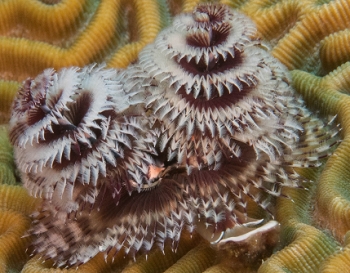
13 225
274 19
148 21
97 264
196 260
340 261
305 254
55 21
16 198
15 206
335 50
300 41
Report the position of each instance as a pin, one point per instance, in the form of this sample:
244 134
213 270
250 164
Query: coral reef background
310 37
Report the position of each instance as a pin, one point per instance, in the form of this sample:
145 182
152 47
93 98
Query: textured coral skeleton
204 122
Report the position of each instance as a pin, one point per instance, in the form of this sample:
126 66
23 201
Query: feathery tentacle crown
69 127
204 124
213 87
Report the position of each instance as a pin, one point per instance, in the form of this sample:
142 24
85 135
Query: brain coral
302 35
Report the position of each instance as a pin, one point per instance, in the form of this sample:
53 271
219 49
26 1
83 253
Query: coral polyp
202 126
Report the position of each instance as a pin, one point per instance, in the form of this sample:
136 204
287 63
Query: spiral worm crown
67 127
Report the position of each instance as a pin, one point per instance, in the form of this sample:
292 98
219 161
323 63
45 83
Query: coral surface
301 34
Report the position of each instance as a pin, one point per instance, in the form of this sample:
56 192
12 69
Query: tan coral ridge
271 12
